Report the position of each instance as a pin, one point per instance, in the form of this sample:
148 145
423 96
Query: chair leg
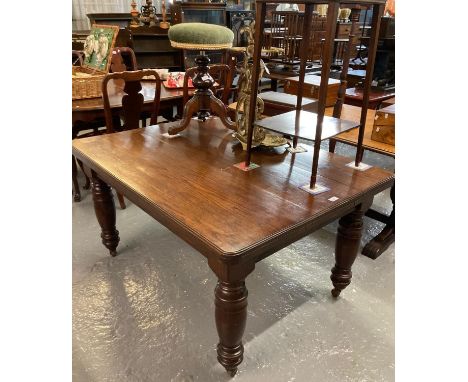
121 201
87 185
76 187
331 145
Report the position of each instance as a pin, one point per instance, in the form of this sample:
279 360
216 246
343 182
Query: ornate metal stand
148 13
260 137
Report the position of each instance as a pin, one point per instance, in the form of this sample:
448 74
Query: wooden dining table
234 218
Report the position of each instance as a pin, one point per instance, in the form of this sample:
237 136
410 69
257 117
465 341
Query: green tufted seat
200 36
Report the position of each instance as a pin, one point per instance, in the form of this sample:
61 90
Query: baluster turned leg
231 317
104 208
348 240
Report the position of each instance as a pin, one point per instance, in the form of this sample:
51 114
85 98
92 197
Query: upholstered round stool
201 37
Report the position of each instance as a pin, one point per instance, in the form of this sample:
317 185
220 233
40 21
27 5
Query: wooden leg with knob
231 317
348 240
104 208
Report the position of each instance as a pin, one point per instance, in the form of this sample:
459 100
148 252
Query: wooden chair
132 103
123 59
286 30
317 34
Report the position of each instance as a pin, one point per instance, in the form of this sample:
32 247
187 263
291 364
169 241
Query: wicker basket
86 87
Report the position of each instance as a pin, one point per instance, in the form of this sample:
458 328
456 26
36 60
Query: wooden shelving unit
300 124
153 49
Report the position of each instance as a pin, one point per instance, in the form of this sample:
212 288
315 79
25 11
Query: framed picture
98 47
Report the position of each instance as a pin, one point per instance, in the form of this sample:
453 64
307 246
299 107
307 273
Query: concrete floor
148 314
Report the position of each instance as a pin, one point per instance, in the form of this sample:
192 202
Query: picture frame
98 47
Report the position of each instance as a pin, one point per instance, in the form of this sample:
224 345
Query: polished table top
189 184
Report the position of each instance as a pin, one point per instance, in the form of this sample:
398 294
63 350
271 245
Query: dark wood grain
234 218
198 165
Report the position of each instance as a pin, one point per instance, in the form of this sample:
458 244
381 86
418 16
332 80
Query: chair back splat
123 58
132 100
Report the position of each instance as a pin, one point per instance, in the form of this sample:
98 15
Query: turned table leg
347 246
231 316
105 212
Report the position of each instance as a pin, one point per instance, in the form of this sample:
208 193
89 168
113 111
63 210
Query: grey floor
148 314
